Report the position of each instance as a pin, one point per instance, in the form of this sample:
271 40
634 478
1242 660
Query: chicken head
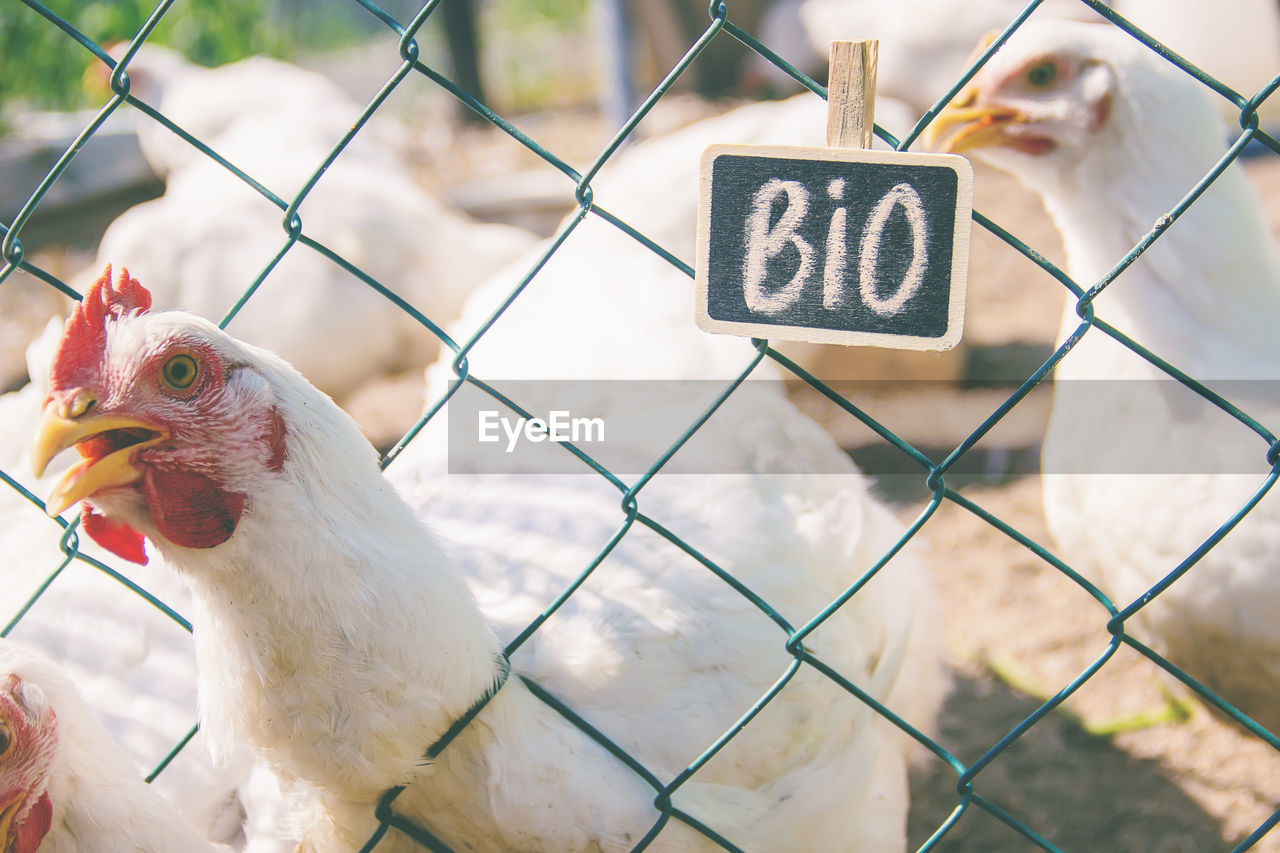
172 425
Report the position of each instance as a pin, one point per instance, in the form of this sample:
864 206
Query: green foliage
537 53
518 14
43 66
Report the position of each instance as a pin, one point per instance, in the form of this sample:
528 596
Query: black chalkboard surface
834 245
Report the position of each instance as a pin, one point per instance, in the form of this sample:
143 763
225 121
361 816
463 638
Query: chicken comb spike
85 334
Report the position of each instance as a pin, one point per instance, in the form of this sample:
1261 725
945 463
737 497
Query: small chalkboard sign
834 245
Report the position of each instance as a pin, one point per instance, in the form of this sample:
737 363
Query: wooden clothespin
851 93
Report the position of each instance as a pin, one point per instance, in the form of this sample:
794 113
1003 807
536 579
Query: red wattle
120 539
26 836
190 509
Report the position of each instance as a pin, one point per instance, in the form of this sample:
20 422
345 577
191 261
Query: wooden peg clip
851 93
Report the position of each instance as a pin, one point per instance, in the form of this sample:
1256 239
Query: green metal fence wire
721 25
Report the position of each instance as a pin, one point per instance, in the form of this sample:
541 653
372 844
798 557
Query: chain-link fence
416 69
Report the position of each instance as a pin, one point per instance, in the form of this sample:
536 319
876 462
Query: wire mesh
721 24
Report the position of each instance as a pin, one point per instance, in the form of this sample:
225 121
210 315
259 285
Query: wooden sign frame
889 327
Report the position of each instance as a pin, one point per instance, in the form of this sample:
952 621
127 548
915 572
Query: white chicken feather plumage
1139 472
769 489
210 235
1237 42
207 102
653 187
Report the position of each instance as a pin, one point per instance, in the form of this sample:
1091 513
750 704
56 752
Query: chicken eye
1042 75
6 740
180 372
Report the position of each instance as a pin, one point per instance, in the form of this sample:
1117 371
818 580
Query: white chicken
1139 472
210 236
339 638
132 663
261 91
65 787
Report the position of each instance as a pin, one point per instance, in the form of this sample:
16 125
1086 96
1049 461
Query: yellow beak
6 819
60 428
963 125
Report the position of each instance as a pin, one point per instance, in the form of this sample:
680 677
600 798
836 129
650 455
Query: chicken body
210 236
1140 471
209 102
340 638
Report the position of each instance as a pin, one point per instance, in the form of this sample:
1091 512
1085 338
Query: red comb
85 335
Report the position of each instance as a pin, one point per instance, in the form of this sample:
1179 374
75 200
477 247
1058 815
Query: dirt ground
1197 785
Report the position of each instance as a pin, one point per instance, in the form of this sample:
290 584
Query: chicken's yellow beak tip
62 427
966 124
